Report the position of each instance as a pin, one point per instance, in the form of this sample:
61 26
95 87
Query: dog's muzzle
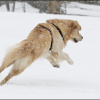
75 40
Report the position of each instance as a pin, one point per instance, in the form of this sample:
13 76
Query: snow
42 81
83 9
84 6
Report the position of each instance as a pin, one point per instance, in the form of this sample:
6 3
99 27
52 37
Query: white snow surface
83 9
42 81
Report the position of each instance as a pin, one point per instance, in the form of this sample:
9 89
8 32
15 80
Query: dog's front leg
52 59
65 56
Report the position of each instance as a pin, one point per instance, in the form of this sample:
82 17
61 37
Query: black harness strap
51 36
59 31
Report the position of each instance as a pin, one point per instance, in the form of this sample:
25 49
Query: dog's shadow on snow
49 83
40 82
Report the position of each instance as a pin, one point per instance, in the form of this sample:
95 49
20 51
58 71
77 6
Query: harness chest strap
58 30
51 34
51 37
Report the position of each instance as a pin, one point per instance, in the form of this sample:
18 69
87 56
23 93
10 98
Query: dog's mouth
75 40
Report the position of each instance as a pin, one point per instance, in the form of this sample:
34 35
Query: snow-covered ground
41 80
83 9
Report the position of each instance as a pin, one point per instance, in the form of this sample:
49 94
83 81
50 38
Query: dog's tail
17 51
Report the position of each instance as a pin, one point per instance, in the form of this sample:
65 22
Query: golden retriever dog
46 40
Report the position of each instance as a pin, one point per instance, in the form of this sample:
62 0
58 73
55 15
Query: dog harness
51 34
59 31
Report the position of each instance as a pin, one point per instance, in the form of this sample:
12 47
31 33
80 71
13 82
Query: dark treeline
47 6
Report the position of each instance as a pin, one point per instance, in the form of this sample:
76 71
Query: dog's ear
75 25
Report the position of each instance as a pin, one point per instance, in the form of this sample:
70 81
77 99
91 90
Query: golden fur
38 44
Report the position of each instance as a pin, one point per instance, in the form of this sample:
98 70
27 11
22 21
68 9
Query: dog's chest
58 43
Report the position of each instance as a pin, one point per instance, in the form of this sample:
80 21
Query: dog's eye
78 31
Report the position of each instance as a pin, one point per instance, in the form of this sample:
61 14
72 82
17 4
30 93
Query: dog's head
69 28
75 36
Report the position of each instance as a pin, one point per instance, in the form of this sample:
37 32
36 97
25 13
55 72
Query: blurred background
66 7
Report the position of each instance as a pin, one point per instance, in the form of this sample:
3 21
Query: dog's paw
56 66
71 62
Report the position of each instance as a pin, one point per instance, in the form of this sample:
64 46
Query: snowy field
41 80
83 9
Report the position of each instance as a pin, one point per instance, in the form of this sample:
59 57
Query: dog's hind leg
12 73
16 52
19 66
6 64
